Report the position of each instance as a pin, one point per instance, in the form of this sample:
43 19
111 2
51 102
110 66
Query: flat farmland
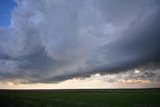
81 98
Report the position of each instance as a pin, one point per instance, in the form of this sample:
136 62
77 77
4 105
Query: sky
6 6
70 44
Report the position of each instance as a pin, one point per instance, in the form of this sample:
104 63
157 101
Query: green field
81 98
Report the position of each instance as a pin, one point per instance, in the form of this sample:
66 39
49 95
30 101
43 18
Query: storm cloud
53 40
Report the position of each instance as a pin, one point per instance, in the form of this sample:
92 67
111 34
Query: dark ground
81 98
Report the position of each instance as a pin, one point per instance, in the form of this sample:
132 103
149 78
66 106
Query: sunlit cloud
121 80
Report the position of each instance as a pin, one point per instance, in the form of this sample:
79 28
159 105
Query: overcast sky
63 41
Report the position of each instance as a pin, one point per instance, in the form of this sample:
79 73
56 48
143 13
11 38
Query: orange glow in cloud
95 81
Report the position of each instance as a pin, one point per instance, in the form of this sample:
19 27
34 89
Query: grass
81 98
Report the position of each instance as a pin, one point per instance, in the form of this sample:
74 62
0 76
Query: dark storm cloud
55 40
139 44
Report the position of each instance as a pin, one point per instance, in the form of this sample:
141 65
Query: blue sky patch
6 6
